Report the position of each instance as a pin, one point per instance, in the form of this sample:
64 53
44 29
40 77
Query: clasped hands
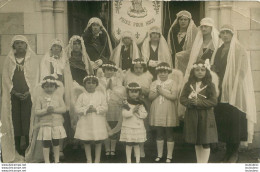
91 109
22 96
96 64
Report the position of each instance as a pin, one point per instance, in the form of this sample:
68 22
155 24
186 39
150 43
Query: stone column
66 26
47 23
225 12
213 7
59 19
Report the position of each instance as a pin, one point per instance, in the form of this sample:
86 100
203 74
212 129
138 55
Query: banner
137 16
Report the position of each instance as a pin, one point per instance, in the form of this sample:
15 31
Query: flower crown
109 65
90 76
49 81
206 65
163 68
133 88
138 62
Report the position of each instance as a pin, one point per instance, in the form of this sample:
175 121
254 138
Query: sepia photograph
129 81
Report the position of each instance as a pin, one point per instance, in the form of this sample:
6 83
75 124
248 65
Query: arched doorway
79 12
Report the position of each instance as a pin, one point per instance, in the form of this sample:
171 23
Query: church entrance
80 12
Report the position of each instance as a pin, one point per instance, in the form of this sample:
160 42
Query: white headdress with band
164 54
99 22
189 38
134 51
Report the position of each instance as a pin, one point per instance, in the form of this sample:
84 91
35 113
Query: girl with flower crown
133 130
164 95
91 108
49 109
138 73
199 96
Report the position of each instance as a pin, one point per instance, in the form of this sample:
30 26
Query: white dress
133 129
91 126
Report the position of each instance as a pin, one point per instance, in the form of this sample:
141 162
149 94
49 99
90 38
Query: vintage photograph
129 81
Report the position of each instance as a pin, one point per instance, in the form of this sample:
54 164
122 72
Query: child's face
200 72
127 41
49 88
56 49
155 36
90 86
95 28
133 94
20 46
138 69
76 46
163 75
109 72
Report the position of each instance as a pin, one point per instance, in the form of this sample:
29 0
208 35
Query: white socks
202 154
128 150
56 151
142 153
170 146
160 144
137 153
88 153
97 152
46 155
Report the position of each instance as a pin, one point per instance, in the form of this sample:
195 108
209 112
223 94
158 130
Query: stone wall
245 17
39 21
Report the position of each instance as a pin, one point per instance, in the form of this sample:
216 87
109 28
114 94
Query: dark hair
107 67
77 40
138 60
133 84
51 78
90 78
228 31
156 33
176 28
207 80
163 64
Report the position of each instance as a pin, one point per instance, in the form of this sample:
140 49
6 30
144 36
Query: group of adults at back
235 112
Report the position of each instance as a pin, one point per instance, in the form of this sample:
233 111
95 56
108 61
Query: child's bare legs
137 152
170 143
159 142
87 147
98 146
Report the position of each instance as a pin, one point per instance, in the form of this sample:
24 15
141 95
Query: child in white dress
49 109
133 131
91 107
164 96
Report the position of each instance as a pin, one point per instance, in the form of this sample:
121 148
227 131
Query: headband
206 65
163 68
133 88
109 65
49 81
138 62
90 77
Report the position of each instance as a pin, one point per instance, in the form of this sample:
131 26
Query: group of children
119 105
